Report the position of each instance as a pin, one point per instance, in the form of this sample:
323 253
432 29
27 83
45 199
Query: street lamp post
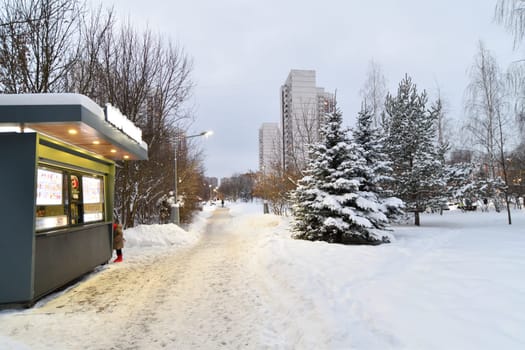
175 217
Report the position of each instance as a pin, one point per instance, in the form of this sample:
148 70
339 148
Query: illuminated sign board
118 120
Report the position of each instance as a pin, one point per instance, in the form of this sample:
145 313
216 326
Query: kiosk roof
72 118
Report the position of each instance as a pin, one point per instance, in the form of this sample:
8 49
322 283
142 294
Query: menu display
67 198
92 189
49 187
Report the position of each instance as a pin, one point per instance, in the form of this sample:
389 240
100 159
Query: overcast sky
243 50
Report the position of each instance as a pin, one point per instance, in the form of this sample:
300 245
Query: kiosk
58 154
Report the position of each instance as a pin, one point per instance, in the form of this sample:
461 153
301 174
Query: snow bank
168 234
158 235
248 218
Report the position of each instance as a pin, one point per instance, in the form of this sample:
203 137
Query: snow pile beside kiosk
167 235
158 235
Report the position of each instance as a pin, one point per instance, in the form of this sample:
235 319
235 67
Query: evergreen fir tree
333 202
371 142
460 180
411 146
439 202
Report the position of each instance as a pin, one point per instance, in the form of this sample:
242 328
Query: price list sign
49 188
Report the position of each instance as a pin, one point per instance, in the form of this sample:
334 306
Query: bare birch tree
487 107
484 100
374 92
511 14
306 132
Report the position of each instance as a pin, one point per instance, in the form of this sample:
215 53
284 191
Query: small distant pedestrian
118 240
485 205
222 203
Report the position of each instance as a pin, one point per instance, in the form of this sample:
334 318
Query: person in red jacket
118 240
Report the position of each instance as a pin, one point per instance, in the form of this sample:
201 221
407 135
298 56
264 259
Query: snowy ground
241 282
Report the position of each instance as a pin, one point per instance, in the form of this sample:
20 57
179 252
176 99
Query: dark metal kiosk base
64 256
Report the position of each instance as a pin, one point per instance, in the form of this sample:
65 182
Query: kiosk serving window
67 198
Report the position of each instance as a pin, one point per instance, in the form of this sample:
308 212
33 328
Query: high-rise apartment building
302 105
269 146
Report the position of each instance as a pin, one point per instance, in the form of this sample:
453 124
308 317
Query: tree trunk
416 217
508 207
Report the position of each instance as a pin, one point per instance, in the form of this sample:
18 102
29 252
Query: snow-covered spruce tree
459 180
378 171
440 200
411 146
332 202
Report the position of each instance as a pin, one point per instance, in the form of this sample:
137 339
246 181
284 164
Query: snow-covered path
208 300
203 297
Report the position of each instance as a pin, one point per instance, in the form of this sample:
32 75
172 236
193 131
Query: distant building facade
269 146
302 105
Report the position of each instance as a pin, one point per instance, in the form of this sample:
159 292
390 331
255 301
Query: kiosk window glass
67 198
50 211
93 195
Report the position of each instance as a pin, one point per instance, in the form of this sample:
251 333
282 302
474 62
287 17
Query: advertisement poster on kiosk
92 190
